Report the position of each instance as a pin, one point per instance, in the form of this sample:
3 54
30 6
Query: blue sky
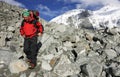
51 8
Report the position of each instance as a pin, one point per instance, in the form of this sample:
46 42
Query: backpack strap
34 22
22 24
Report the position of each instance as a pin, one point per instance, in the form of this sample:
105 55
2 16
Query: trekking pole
50 35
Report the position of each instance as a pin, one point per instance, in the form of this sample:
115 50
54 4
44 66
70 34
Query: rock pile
81 52
65 52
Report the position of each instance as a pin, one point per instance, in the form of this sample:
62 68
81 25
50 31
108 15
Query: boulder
17 66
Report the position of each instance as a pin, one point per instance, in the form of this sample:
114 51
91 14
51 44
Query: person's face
26 18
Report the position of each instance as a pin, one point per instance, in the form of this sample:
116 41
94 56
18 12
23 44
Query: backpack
35 14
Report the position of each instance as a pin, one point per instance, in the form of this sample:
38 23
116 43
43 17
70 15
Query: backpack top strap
32 22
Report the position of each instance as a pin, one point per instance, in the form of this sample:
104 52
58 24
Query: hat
25 14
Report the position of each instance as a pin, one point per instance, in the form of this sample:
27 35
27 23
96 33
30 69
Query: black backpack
35 14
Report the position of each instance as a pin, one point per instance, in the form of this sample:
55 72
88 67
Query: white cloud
86 3
103 2
13 2
51 13
43 8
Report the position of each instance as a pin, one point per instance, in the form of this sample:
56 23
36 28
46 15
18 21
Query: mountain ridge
108 16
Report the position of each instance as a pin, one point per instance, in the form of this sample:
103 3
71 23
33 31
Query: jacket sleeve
21 30
40 27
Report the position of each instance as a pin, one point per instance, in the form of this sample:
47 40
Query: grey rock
110 53
112 31
65 67
32 74
94 69
23 75
2 38
17 66
6 57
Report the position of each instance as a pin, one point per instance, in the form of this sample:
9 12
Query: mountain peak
108 16
70 15
108 8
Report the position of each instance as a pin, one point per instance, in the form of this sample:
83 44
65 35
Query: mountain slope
72 17
108 16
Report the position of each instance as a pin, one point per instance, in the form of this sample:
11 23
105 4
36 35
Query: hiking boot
28 61
31 66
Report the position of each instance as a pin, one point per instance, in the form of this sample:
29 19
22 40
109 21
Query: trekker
29 32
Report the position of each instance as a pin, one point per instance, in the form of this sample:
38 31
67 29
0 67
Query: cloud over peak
86 3
13 2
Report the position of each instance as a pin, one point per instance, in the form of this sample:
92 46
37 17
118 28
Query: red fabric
40 29
29 29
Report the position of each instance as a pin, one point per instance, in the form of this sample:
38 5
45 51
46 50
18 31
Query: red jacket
29 29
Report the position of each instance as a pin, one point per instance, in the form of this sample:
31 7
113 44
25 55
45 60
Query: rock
103 74
2 39
17 66
53 62
49 74
82 45
95 45
48 57
1 66
50 61
110 53
6 56
47 40
46 66
74 76
11 29
23 75
65 67
64 70
68 44
117 49
32 74
92 54
77 38
112 31
94 69
89 36
9 36
117 71
61 28
82 61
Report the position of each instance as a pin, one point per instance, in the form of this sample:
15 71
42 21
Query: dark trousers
31 49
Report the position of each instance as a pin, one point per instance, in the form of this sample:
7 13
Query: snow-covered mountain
72 17
108 16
